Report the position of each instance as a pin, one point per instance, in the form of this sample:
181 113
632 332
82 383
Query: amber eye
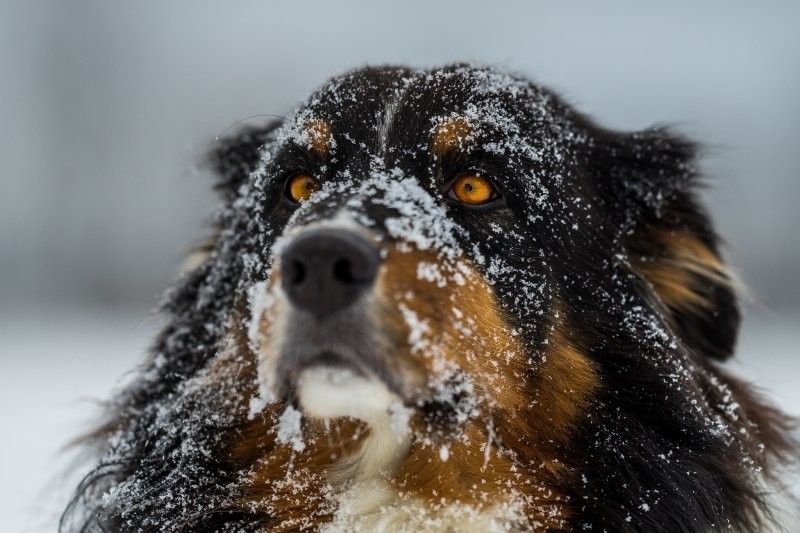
472 189
301 187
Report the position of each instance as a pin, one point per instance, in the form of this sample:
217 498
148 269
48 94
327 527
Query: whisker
223 132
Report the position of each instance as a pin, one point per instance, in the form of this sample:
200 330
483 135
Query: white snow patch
417 329
290 429
260 302
431 272
444 453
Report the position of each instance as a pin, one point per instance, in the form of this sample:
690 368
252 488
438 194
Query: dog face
445 299
413 255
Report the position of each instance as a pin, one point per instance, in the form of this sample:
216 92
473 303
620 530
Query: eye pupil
472 189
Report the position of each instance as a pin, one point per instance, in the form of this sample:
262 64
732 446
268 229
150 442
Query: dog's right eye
472 189
301 186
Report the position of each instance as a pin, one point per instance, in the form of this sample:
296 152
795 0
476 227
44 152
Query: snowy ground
54 363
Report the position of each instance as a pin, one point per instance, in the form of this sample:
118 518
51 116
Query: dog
444 300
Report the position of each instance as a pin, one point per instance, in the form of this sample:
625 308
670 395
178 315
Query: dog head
435 233
451 292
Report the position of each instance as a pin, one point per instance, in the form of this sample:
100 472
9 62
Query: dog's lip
288 378
328 359
331 359
437 411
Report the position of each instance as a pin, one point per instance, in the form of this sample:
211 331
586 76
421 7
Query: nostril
297 272
343 271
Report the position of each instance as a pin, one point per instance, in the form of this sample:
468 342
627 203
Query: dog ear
650 182
234 158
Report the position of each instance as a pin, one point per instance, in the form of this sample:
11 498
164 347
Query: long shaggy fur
558 353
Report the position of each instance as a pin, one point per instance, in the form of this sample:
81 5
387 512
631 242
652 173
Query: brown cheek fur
527 412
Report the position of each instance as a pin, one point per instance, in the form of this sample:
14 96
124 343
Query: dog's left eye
301 186
472 189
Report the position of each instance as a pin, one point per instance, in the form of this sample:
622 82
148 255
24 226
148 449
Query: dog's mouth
330 385
331 391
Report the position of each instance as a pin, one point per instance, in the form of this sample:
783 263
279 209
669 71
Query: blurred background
108 108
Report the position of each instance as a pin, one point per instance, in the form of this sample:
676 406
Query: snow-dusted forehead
391 118
364 107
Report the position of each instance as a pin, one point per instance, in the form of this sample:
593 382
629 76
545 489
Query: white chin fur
330 392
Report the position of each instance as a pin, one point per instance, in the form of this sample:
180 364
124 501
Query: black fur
660 450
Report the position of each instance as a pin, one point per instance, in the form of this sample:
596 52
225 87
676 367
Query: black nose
325 270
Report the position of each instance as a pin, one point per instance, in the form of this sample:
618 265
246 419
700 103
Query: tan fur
450 135
681 276
319 135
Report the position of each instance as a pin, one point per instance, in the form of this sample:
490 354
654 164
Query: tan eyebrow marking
451 134
319 135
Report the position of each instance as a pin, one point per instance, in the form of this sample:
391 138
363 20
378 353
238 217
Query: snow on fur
185 411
